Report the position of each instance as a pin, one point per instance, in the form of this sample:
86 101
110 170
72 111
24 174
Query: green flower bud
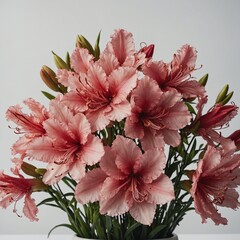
82 42
222 94
60 64
203 80
29 169
40 171
226 99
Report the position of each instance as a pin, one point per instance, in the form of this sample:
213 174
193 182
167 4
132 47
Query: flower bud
60 64
148 50
82 42
186 185
218 116
222 94
38 185
40 171
49 78
203 80
226 99
29 169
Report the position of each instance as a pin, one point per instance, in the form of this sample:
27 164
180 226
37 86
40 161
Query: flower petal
30 209
119 111
171 137
89 187
143 212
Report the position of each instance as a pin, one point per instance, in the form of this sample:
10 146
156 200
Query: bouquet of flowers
128 146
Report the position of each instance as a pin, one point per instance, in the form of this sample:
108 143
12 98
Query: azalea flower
68 145
12 189
176 74
156 116
214 180
127 181
30 125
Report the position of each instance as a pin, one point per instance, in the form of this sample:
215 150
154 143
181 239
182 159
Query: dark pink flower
127 181
156 115
12 189
214 119
214 181
68 145
176 74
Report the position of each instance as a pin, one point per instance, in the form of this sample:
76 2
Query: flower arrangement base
174 237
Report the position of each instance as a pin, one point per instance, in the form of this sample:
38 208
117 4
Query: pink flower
127 181
214 181
148 50
215 118
102 98
30 125
176 74
156 115
68 145
12 189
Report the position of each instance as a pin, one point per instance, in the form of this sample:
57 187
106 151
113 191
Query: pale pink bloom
214 181
102 98
120 51
127 181
156 115
29 125
12 189
68 145
176 74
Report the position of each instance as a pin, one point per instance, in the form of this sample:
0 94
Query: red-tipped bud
148 50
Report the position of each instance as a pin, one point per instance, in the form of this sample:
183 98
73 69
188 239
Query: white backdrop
30 29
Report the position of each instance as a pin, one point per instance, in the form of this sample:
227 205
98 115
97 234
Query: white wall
30 29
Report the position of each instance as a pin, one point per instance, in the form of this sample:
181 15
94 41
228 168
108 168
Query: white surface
30 29
69 237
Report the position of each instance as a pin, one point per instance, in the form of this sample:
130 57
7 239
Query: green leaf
156 230
61 225
97 48
47 200
131 229
48 95
190 108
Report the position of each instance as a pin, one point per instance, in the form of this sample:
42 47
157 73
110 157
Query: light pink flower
29 125
156 115
128 181
120 51
68 145
176 74
12 189
102 98
214 181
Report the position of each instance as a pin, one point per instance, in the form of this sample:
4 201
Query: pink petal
170 98
119 111
81 60
127 153
177 117
151 140
108 62
143 212
191 89
89 187
109 166
30 209
152 164
42 149
156 70
68 79
97 78
161 190
80 127
121 82
77 170
98 118
55 172
92 151
122 45
75 101
230 199
21 145
112 197
147 94
171 137
133 128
